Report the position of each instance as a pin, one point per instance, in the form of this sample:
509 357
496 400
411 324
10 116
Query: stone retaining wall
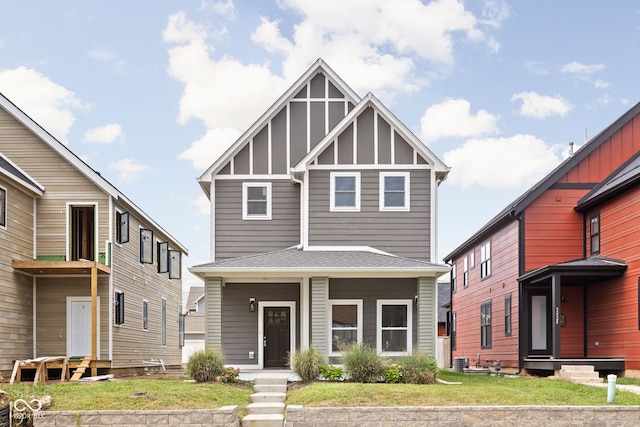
227 416
467 416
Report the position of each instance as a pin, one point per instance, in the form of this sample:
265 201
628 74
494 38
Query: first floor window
453 330
118 302
145 315
395 319
394 191
345 191
485 325
346 324
507 315
3 207
180 327
164 321
256 200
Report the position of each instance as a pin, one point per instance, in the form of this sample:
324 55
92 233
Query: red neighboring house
554 278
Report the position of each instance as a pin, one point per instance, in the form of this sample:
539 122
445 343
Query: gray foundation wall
469 416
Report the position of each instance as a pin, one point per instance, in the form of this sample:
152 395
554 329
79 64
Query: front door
540 321
79 326
277 336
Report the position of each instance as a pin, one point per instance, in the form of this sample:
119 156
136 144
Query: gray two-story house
323 226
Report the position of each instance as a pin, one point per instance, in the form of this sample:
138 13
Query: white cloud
180 30
601 84
225 8
453 118
514 162
116 64
203 206
46 102
104 135
207 149
128 170
541 106
578 68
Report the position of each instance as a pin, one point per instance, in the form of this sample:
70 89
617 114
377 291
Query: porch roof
586 270
321 261
54 268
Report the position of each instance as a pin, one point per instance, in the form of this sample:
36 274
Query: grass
170 393
476 390
158 393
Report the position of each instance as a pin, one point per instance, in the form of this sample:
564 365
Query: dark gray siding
370 291
240 326
236 237
400 233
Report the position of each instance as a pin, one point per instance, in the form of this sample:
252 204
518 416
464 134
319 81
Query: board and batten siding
240 326
16 303
236 237
62 181
131 343
286 137
402 233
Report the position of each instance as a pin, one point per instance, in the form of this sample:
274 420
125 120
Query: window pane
393 199
344 316
345 183
257 193
256 207
394 183
394 340
345 199
394 316
343 338
3 207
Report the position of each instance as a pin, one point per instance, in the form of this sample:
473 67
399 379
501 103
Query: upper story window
453 277
256 200
595 234
485 260
3 207
465 274
146 246
163 257
472 259
175 264
345 191
122 227
394 191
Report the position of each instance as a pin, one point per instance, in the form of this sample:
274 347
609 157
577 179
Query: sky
150 92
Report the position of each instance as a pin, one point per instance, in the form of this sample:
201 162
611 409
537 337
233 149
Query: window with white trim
3 207
394 191
145 315
485 324
345 318
595 233
485 260
256 200
345 191
465 274
394 327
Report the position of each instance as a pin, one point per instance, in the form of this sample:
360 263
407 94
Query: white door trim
292 327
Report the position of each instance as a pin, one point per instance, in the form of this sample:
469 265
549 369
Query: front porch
613 364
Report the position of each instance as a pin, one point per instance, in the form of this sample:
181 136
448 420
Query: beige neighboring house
83 270
193 323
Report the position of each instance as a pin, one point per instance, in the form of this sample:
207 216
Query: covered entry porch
555 311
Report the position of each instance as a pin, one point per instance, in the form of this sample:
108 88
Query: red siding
572 333
553 230
466 302
613 312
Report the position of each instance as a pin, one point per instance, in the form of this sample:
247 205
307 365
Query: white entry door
79 326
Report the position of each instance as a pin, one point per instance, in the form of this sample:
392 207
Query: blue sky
149 92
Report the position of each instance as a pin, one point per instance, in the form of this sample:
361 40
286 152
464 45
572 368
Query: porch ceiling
57 268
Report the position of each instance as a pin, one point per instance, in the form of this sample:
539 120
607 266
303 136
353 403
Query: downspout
303 211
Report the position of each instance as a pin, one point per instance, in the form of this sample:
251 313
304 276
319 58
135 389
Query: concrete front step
580 374
263 420
268 397
270 380
270 388
265 408
577 368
